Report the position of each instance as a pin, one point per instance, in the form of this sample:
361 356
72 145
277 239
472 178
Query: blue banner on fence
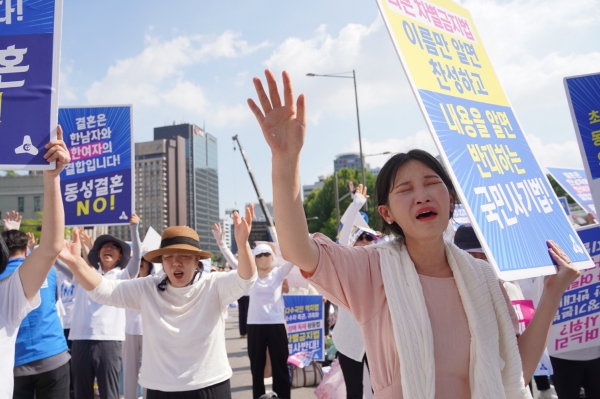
576 324
30 33
574 182
97 185
305 324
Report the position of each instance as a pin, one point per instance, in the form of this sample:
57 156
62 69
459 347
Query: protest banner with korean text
30 37
583 95
305 324
574 182
97 185
506 195
576 324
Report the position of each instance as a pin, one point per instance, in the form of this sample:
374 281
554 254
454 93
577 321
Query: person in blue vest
41 354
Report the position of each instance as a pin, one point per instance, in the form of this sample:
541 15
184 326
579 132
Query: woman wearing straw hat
182 311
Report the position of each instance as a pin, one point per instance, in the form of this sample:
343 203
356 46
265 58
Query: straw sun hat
178 240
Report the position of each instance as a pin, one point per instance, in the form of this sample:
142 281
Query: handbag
308 376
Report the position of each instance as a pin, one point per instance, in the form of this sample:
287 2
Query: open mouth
426 215
178 275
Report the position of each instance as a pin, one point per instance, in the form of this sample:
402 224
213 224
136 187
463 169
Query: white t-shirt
95 321
66 292
133 322
266 300
13 309
184 328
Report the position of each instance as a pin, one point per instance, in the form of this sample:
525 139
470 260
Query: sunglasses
111 245
367 237
261 255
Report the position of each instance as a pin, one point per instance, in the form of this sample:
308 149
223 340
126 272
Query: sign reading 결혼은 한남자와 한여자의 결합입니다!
506 195
97 186
30 37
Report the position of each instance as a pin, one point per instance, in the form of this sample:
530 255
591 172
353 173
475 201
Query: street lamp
353 77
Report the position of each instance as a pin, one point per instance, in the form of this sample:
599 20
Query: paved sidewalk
237 352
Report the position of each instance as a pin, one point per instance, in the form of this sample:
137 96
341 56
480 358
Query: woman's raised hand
217 233
283 125
566 273
243 225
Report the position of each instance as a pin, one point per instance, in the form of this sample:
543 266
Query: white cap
263 249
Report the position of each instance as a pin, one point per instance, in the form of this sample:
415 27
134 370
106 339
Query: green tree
320 203
560 192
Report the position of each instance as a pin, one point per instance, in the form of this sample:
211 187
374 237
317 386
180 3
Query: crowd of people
419 316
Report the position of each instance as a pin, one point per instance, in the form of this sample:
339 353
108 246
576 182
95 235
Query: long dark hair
387 175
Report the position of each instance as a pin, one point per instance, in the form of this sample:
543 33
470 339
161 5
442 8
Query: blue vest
40 335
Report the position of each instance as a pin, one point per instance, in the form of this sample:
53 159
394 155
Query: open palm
71 250
243 225
283 125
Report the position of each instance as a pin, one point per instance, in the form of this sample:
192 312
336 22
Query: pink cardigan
351 278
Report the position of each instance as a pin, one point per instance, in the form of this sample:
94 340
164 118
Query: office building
24 194
308 188
202 178
160 186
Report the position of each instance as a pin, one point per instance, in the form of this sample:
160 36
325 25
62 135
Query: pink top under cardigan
351 278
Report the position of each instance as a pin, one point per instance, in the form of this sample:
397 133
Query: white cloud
564 154
66 91
157 77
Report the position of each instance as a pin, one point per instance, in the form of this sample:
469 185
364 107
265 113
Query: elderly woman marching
450 322
182 311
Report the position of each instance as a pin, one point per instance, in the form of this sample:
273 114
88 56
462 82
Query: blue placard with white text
565 205
30 36
305 324
97 186
574 182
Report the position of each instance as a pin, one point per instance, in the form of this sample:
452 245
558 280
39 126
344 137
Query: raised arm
85 274
36 266
284 128
243 225
360 198
533 340
229 257
133 267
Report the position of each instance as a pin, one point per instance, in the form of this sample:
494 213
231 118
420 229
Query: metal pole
362 166
337 200
260 199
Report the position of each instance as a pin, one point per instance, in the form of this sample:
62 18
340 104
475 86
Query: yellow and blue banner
97 186
305 325
30 36
506 195
583 95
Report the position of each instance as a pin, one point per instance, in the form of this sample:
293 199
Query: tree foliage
560 192
321 202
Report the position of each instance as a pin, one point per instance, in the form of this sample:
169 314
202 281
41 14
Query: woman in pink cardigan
435 321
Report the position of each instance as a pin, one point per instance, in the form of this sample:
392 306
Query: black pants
326 309
221 390
353 376
53 384
100 359
274 337
569 376
243 303
70 345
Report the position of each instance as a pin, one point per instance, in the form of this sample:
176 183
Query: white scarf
495 363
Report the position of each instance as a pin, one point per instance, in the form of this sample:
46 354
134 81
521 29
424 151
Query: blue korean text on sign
576 324
305 324
97 186
574 182
30 34
507 197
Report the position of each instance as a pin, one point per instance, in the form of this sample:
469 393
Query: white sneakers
547 394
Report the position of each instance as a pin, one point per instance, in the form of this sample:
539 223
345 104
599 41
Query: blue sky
193 61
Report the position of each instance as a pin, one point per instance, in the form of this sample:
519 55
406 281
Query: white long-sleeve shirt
184 328
266 298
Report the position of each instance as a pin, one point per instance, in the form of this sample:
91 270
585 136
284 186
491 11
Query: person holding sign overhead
183 311
451 323
20 292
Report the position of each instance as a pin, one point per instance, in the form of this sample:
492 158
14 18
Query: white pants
132 354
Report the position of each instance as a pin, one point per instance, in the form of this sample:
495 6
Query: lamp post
353 77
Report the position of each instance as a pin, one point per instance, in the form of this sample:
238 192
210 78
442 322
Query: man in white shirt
19 293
